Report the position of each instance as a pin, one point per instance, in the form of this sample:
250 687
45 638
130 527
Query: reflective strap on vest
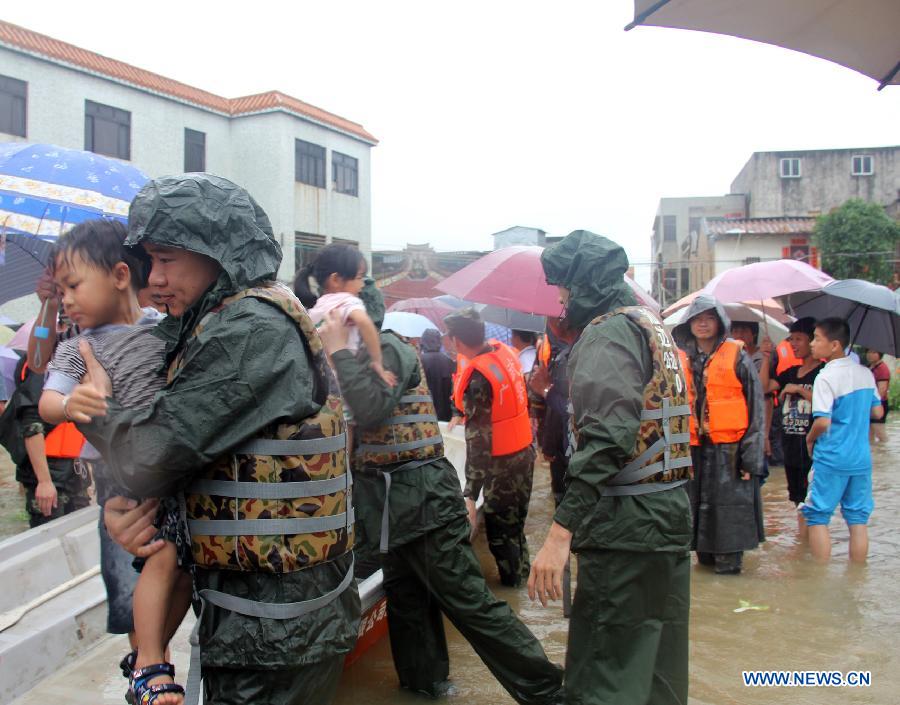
415 398
410 418
251 608
638 469
399 447
270 527
296 446
271 490
646 488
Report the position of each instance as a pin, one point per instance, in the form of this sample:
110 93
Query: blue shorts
827 490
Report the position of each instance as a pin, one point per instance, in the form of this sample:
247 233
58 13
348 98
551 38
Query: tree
858 241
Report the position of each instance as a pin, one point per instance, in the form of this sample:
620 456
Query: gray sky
492 114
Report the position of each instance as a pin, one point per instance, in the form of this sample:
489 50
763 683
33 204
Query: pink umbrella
765 280
19 341
513 278
768 307
433 310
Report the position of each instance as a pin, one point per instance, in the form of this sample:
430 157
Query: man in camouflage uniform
505 479
625 512
54 487
240 372
414 515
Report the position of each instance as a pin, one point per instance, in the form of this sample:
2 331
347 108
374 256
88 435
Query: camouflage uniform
430 569
71 481
506 481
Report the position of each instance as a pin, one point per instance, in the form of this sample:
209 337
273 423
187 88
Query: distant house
519 235
308 168
769 214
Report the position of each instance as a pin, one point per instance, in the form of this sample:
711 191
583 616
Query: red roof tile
20 38
760 226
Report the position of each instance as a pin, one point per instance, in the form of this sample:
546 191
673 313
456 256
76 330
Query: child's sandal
145 694
127 666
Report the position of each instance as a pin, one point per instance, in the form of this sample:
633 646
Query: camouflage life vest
280 502
662 458
411 432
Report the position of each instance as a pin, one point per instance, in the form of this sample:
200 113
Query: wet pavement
810 617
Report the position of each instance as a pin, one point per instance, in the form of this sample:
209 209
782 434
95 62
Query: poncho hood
592 268
704 302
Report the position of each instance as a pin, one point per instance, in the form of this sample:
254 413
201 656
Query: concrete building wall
255 151
730 251
825 182
518 235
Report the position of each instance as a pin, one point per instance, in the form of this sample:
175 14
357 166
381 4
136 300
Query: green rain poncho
247 370
628 629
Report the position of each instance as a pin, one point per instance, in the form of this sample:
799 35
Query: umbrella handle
41 333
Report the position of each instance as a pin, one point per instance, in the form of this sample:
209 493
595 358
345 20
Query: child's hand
389 378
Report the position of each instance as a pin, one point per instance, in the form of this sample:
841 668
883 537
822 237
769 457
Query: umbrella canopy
433 309
6 334
511 277
7 321
409 325
44 190
19 341
740 313
858 34
769 307
765 280
872 311
9 359
514 320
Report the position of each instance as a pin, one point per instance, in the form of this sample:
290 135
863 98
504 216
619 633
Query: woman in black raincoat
725 497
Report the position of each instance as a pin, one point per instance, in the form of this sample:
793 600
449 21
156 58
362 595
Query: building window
305 247
670 282
669 229
107 130
309 163
194 150
751 260
344 241
13 95
685 280
862 165
344 174
790 168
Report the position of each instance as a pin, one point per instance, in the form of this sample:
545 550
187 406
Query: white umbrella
739 313
409 325
859 34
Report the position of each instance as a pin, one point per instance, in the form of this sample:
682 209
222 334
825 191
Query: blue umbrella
44 190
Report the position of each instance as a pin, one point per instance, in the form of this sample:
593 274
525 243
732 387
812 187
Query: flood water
810 618
829 618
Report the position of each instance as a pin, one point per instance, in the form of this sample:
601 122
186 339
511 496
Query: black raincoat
727 510
247 370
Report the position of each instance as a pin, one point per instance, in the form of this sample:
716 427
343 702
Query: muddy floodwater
833 618
802 617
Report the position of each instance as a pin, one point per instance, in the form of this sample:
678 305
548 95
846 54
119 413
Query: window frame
343 165
666 221
790 160
310 157
9 86
862 158
189 133
94 111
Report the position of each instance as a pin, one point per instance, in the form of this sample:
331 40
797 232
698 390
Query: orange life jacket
510 423
64 441
786 357
725 409
543 351
691 395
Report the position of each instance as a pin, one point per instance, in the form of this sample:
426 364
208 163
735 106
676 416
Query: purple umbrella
765 280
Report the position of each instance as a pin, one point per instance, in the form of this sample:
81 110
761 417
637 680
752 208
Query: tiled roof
18 38
760 226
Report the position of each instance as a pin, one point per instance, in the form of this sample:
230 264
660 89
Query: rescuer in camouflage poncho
242 368
505 479
429 565
625 512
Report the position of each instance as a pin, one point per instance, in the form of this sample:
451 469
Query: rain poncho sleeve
247 369
477 402
370 399
753 442
608 370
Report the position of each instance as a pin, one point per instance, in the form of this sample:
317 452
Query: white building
308 168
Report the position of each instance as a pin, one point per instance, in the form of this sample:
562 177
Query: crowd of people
219 413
